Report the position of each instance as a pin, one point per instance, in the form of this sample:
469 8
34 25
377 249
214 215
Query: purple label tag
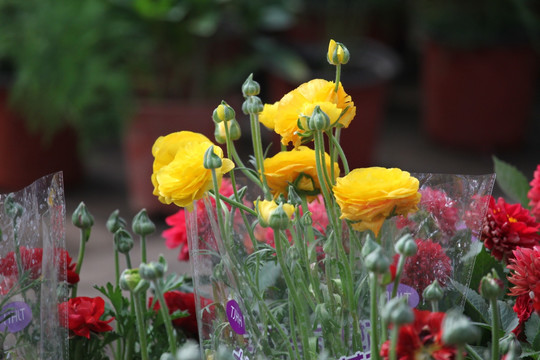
15 316
236 318
404 290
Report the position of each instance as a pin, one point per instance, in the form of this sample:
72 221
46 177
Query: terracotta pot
480 99
152 120
25 156
365 78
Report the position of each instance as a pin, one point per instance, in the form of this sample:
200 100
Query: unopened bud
377 261
123 242
369 246
233 128
211 159
458 329
491 286
130 280
82 218
115 222
433 292
280 218
397 312
250 87
252 105
154 270
406 246
318 120
223 113
294 198
337 53
142 225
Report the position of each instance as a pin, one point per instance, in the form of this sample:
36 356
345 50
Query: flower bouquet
302 258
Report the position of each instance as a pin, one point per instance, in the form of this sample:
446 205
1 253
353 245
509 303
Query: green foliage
531 331
512 181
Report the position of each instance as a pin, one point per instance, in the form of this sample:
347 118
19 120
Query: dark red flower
422 339
441 208
534 194
83 314
506 227
523 308
429 263
525 275
31 259
176 235
178 300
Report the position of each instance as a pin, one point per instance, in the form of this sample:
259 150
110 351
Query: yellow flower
286 168
337 53
178 173
283 115
266 209
369 196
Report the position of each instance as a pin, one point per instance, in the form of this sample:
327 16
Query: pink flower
506 227
525 275
176 235
534 194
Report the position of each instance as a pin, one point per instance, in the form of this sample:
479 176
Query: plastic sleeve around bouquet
33 271
259 298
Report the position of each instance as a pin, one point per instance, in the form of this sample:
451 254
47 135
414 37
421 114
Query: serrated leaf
531 331
509 319
512 181
477 302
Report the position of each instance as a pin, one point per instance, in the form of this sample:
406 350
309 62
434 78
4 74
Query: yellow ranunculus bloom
285 167
368 196
283 115
265 208
178 173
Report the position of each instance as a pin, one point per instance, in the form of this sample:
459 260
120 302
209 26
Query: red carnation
506 227
178 300
421 339
82 314
523 309
441 208
176 236
429 263
534 194
31 259
525 275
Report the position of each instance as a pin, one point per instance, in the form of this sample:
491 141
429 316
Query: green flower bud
223 113
377 261
337 53
234 131
82 218
491 286
252 105
115 222
458 329
279 219
250 87
211 159
12 208
369 246
319 120
294 198
510 345
154 270
142 225
397 312
130 279
433 292
123 242
406 246
307 219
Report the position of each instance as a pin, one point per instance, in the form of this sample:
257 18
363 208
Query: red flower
526 274
178 300
31 259
534 194
176 236
429 263
422 339
83 314
507 227
523 308
441 209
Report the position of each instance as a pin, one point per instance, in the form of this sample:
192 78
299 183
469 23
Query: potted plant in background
478 70
62 85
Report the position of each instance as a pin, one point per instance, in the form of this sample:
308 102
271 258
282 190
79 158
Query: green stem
472 353
128 261
434 306
143 248
338 77
164 310
141 327
258 152
374 316
341 153
237 204
399 270
116 268
85 235
394 335
494 329
459 352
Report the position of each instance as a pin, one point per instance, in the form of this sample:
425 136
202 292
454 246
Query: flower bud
251 87
397 312
115 222
458 329
377 261
294 198
337 53
82 218
510 345
12 208
154 270
318 120
369 246
252 105
123 242
280 217
433 292
130 280
211 159
406 246
142 225
491 286
223 113
307 219
234 131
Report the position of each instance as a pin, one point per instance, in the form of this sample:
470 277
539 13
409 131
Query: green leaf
476 302
531 331
512 181
509 319
482 266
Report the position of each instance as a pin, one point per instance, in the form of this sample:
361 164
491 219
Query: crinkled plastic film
446 227
32 276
